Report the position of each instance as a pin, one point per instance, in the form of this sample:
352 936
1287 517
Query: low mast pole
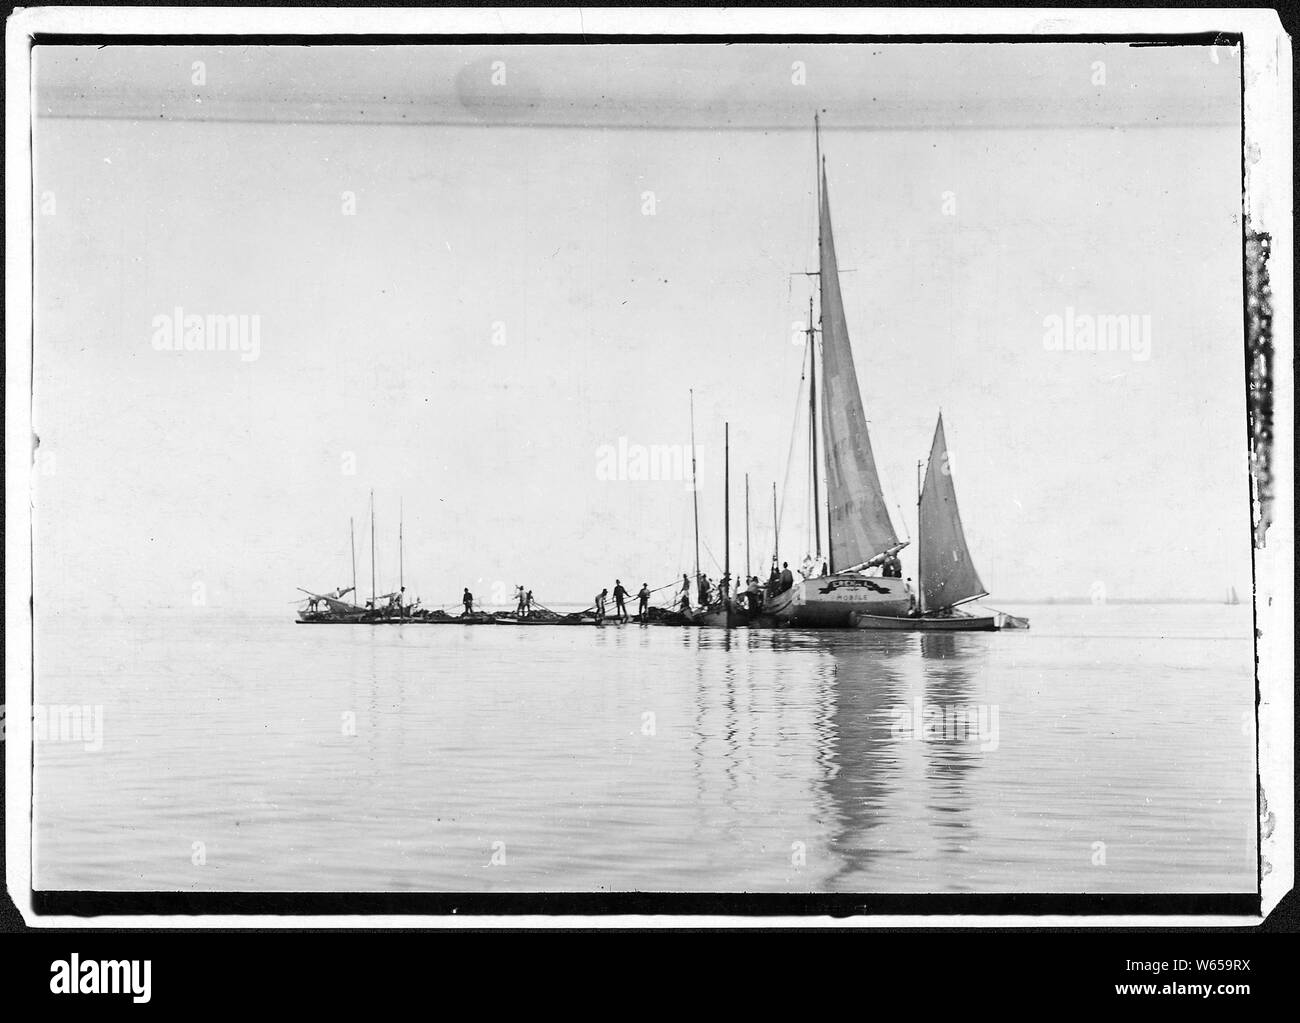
776 530
695 497
726 503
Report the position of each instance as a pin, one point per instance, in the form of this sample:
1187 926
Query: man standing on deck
787 577
600 607
519 601
644 596
620 612
686 593
468 600
528 603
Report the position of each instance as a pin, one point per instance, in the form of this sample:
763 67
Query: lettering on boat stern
854 584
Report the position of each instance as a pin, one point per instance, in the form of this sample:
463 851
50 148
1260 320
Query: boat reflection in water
907 738
862 778
849 756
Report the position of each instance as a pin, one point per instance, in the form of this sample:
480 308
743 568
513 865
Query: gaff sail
333 603
860 526
947 575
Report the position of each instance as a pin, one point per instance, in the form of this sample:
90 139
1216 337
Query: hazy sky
500 305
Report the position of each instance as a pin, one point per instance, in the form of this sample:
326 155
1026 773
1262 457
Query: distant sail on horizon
860 526
948 576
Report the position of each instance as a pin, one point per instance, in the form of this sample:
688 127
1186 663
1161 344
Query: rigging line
630 595
794 432
903 519
716 563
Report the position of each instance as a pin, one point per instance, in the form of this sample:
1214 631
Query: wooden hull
727 617
829 602
955 623
337 618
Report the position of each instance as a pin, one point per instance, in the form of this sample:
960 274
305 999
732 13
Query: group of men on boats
523 602
749 594
621 594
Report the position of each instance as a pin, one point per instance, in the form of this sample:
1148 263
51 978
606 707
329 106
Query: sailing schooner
860 533
837 591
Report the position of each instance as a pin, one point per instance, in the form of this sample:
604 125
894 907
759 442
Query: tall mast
352 538
746 527
401 575
920 590
830 543
372 548
817 173
695 494
812 428
726 502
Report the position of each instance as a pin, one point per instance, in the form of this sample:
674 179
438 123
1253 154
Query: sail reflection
866 683
948 662
903 731
841 744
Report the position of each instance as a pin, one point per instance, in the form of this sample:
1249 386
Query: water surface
1112 751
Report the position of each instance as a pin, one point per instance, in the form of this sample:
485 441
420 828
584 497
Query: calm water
412 757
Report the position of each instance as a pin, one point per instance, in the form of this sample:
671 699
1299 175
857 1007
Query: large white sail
860 527
947 575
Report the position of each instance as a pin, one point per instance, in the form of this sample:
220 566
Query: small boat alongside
955 622
946 576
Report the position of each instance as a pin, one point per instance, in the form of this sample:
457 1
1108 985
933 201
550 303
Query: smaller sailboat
946 575
331 608
1232 599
